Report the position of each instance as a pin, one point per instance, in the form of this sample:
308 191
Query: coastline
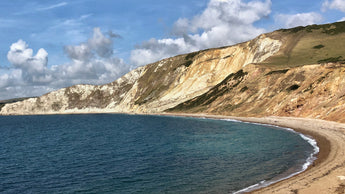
326 174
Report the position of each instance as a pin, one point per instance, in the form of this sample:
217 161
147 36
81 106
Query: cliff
293 72
315 91
154 87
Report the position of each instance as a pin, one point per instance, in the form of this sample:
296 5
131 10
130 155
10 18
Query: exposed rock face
155 87
315 91
270 75
78 98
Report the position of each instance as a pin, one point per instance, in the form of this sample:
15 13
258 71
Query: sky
48 45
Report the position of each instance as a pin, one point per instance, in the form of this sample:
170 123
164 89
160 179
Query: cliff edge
289 72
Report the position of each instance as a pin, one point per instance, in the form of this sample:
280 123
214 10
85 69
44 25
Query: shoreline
325 175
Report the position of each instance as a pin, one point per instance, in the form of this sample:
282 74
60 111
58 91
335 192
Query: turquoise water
109 153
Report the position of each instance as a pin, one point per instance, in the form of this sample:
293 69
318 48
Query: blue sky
46 45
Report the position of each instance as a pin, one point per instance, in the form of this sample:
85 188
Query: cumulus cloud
95 71
33 67
10 79
22 56
80 52
223 22
153 50
98 45
92 62
334 4
300 19
102 45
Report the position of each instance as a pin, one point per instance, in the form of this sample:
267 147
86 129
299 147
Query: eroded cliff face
77 99
315 91
270 75
155 87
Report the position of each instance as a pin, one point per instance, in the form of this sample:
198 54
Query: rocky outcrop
155 87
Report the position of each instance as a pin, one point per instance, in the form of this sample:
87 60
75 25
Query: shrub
293 87
331 60
318 46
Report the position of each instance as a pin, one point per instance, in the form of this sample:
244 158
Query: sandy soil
327 174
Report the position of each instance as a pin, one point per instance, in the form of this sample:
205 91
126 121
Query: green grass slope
309 45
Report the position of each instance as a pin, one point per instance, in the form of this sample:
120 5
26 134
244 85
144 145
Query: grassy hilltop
309 45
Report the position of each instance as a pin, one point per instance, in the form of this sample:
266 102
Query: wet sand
326 174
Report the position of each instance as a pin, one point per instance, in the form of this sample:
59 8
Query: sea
117 153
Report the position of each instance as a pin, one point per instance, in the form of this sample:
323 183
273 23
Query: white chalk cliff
154 87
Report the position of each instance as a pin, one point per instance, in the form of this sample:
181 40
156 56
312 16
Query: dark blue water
141 154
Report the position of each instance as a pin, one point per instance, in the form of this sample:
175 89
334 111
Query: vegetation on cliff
309 45
290 72
315 91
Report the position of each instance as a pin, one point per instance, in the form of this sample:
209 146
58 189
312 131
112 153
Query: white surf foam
305 166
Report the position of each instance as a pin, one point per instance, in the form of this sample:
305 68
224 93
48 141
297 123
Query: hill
4 102
309 45
290 72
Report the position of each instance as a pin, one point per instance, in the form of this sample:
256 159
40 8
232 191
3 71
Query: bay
113 153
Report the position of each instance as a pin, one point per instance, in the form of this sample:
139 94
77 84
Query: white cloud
223 22
33 67
52 6
153 50
80 52
92 62
334 4
102 45
300 19
94 71
20 91
34 8
21 56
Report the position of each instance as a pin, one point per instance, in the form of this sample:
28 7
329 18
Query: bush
318 46
331 60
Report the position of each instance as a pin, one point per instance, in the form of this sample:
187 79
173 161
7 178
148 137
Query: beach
326 174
